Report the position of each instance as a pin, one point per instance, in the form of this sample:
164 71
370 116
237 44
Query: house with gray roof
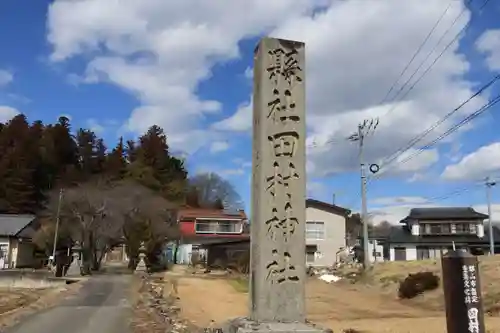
429 232
16 248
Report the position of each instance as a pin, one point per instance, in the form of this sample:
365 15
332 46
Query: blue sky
119 67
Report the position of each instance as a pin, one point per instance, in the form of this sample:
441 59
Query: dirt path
327 304
208 301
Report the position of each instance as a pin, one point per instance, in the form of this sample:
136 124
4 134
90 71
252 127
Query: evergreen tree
20 159
116 163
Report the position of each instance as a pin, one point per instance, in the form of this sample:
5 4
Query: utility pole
489 184
56 232
364 129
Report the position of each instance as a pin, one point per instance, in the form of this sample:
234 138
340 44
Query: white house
376 250
325 232
430 232
16 248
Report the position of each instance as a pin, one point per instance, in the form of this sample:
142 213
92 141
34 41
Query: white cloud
6 77
242 162
489 43
161 50
95 126
475 165
249 73
231 172
355 51
394 209
387 201
218 146
495 211
404 163
316 190
240 121
7 113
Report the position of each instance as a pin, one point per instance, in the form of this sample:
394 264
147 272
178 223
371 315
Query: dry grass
16 304
369 305
11 299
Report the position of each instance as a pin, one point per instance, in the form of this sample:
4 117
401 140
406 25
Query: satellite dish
374 168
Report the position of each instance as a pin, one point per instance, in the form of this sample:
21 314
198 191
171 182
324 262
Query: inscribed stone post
462 293
277 288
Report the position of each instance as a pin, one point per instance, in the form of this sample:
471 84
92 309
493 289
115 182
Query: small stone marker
141 266
462 293
277 279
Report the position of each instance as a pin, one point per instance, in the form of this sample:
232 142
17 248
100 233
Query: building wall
224 254
188 228
335 236
5 251
26 255
374 246
411 251
435 252
184 254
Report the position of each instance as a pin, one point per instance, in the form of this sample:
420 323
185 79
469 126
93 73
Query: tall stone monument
278 272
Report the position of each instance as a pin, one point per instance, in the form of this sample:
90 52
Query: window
453 228
315 230
206 227
311 253
422 252
310 256
218 227
460 228
435 229
399 253
472 228
228 227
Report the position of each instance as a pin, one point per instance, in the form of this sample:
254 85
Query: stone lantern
141 266
74 268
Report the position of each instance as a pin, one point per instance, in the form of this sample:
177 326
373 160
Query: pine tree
18 171
116 164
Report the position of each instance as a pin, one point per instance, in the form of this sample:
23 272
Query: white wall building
430 232
325 232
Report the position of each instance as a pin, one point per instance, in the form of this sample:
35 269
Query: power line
417 52
427 57
463 122
420 136
457 126
428 69
455 192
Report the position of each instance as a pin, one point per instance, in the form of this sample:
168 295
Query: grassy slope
387 276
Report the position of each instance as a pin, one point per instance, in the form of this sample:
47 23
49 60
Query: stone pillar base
74 269
141 267
245 325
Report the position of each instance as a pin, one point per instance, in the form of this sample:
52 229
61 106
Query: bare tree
147 217
101 215
213 191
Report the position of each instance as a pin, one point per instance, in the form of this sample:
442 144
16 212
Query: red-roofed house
199 226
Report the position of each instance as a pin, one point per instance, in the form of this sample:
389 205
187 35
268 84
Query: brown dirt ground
16 298
18 303
370 306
